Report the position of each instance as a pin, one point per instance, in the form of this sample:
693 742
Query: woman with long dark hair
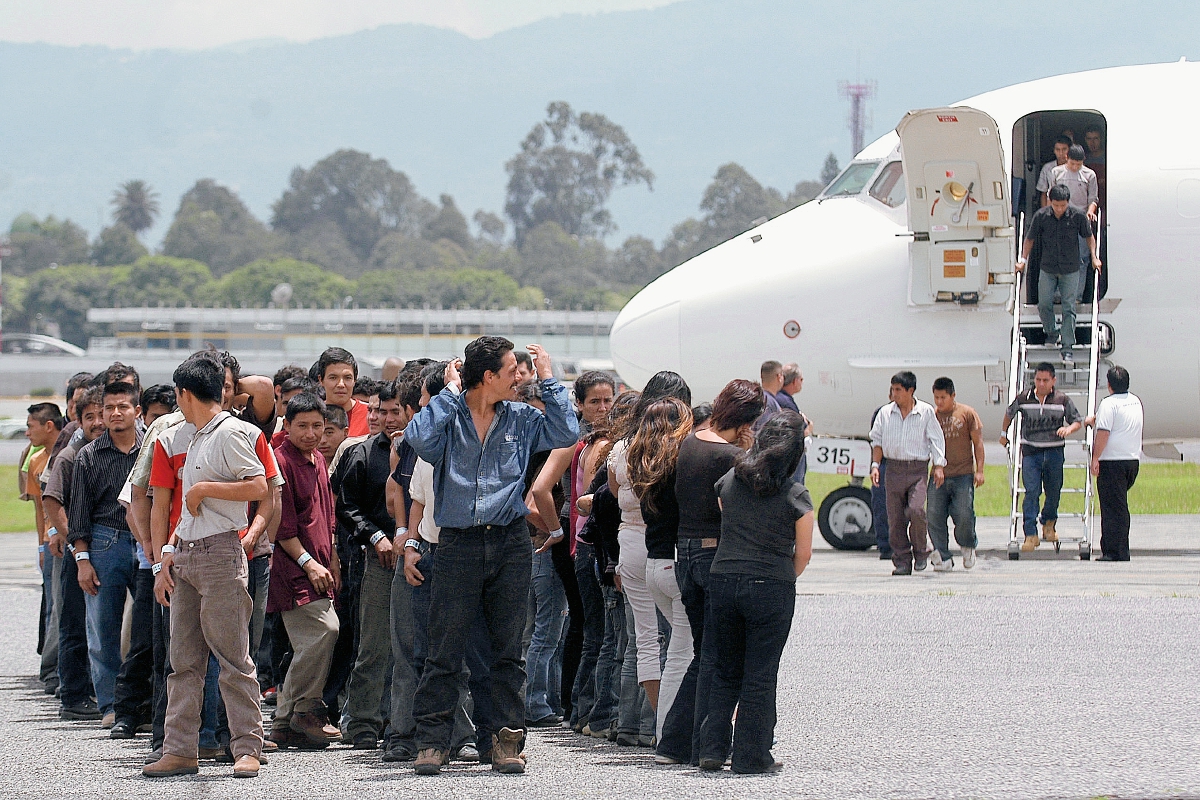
766 542
704 456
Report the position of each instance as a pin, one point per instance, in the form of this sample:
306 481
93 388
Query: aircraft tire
849 504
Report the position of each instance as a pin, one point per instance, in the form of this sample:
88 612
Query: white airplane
905 262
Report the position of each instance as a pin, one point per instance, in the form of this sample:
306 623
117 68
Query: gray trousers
49 666
373 666
635 715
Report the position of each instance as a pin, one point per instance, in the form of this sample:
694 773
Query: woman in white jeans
651 458
631 569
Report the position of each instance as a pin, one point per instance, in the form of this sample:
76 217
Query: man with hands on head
479 442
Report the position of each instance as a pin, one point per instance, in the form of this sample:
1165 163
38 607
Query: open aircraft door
959 209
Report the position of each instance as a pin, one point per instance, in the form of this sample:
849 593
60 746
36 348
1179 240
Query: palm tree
136 205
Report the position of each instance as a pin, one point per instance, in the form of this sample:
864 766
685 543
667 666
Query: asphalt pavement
1047 677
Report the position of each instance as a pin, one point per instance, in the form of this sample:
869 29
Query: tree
396 251
64 295
135 205
362 197
215 227
449 224
567 168
160 280
803 192
733 202
636 262
36 244
829 170
251 285
117 244
557 262
491 226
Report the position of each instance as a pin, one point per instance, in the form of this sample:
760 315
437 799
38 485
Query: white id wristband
155 569
303 559
83 555
375 537
52 532
558 534
415 544
168 548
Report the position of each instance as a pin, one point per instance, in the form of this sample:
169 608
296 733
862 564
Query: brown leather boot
1048 532
506 752
169 766
307 727
430 761
332 732
245 767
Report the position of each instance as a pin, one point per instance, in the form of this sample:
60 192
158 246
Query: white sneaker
968 557
943 566
936 558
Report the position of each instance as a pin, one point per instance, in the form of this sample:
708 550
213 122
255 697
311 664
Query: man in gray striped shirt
907 433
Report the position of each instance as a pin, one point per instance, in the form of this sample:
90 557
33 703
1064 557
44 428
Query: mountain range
695 84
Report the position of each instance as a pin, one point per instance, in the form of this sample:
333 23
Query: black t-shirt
758 534
1059 238
660 511
701 464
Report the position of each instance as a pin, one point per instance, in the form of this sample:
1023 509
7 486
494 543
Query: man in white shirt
907 433
1115 455
1061 145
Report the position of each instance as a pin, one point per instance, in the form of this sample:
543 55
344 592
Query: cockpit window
889 186
852 180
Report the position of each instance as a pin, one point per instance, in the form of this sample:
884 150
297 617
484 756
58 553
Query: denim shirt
483 483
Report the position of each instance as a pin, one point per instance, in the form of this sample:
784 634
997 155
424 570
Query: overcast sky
206 23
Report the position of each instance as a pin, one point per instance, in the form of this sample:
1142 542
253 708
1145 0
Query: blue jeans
692 565
954 499
481 570
583 693
113 558
51 603
1067 287
1042 470
879 521
751 619
603 714
550 602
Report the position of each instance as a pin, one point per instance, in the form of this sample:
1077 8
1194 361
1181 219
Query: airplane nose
645 337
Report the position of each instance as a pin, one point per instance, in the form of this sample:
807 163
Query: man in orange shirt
41 429
337 371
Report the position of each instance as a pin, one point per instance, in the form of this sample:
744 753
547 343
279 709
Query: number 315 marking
838 456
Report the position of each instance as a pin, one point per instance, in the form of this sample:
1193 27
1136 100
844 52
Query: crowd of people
430 565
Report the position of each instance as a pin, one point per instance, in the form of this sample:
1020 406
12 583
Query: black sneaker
365 740
87 710
548 721
920 563
398 750
904 570
121 729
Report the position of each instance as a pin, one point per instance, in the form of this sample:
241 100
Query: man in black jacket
362 510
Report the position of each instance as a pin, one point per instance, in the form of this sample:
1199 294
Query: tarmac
1047 677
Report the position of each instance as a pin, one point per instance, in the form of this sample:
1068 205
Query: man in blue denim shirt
479 442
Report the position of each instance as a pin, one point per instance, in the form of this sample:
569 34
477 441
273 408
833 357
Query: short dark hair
701 414
387 391
302 383
524 358
203 375
331 356
529 390
80 380
433 378
94 396
121 389
408 389
47 412
1044 366
770 367
1076 153
905 380
1059 192
416 366
336 416
120 373
740 403
1063 139
590 380
161 393
1118 379
290 371
230 363
775 455
368 387
1093 128
485 354
303 403
944 384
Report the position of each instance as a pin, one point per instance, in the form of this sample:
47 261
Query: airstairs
1079 380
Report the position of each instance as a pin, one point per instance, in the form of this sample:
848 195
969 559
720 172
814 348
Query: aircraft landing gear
1014 551
845 518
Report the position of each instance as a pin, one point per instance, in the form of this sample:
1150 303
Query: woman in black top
704 457
766 542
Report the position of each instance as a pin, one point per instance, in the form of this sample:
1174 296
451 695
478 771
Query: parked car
12 429
36 344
